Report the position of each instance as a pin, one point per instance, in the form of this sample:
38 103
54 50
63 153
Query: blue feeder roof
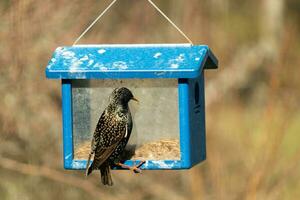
130 61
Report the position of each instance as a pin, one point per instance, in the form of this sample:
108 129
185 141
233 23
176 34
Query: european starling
111 135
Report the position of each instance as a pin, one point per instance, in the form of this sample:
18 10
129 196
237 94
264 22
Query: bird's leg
135 168
123 166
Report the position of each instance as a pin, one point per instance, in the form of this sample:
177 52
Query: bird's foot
135 168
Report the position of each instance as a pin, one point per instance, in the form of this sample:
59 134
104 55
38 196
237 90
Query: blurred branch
90 187
54 175
272 23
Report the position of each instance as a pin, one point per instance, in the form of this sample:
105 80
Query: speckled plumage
111 134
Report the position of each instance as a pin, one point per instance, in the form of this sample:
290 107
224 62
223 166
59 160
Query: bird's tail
88 171
88 168
105 175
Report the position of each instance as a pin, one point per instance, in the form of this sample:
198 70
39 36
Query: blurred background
253 118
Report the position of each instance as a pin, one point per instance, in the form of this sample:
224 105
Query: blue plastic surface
196 114
67 123
181 61
130 61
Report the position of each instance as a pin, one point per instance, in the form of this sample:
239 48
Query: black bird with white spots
111 134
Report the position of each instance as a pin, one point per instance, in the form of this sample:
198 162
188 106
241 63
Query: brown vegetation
158 150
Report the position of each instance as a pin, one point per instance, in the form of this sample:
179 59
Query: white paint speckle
98 65
159 73
197 59
51 63
180 58
120 65
202 51
68 54
157 55
174 65
101 51
68 156
103 68
76 73
90 62
81 75
73 69
76 63
77 165
59 49
84 58
163 164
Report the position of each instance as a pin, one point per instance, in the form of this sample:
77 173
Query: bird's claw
136 168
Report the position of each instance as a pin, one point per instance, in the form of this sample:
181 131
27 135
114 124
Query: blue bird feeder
168 80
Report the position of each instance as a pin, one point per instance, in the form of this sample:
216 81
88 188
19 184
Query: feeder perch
168 79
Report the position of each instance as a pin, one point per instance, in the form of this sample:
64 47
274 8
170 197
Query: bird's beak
134 99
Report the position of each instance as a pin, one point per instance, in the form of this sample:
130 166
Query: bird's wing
107 128
100 157
95 141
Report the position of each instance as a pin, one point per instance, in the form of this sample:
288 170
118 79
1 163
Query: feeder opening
197 93
155 133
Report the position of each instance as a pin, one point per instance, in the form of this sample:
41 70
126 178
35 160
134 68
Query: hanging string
95 21
153 4
171 22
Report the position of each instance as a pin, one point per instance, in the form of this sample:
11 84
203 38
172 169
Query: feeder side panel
184 123
67 123
197 119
